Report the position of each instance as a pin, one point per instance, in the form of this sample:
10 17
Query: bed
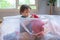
11 24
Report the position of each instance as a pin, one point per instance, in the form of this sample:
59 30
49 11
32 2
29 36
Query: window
28 2
15 4
58 3
7 4
31 3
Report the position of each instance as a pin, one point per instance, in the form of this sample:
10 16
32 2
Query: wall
7 14
43 9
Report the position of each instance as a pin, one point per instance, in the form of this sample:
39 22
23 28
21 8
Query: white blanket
12 23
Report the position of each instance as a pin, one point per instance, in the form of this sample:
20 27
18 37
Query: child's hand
24 36
34 36
40 34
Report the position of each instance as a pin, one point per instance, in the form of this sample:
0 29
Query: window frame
15 10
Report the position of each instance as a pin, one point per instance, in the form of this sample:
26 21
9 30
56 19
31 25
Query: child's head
25 10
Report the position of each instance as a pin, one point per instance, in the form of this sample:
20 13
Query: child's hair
23 7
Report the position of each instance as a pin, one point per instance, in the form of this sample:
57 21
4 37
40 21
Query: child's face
26 12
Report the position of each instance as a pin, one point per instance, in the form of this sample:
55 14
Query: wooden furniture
0 21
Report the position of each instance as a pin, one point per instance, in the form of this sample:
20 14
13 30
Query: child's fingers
34 34
40 34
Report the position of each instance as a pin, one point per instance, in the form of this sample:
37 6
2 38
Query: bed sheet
52 28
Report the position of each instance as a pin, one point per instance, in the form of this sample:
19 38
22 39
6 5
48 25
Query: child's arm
40 34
